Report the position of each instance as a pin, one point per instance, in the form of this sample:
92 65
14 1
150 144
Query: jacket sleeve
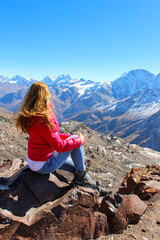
53 138
64 136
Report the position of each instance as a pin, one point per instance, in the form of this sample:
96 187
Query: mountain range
128 107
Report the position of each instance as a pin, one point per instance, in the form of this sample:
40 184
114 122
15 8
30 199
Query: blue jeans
62 161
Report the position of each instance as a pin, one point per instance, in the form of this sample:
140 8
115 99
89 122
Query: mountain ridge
105 106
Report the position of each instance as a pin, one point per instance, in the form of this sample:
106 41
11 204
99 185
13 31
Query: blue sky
92 39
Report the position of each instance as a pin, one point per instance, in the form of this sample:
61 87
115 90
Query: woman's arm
53 138
64 136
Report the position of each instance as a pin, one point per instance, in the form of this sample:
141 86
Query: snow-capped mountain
131 82
64 82
16 80
141 104
120 107
3 79
48 80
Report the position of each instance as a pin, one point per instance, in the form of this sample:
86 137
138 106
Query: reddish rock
89 198
76 222
7 230
130 210
45 207
144 182
108 208
131 186
41 229
146 190
101 225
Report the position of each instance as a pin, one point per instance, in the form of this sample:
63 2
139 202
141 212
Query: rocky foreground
38 207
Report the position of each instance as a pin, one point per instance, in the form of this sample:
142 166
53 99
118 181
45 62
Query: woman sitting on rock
48 149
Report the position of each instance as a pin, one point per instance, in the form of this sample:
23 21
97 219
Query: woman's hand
80 135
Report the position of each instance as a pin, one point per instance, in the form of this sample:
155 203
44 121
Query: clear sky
92 39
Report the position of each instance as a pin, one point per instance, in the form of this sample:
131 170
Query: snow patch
13 81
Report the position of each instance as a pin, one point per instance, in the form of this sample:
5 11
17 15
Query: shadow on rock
30 190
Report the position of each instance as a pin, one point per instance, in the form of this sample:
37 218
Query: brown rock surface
130 211
46 207
148 228
144 182
57 211
76 222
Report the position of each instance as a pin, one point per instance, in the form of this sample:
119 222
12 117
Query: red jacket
43 141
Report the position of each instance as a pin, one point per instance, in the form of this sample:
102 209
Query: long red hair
35 103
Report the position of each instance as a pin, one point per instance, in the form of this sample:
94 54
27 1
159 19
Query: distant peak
82 80
4 79
48 78
63 76
20 79
17 76
3 76
136 71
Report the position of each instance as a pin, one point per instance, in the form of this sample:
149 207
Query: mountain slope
121 107
149 133
128 118
109 158
131 82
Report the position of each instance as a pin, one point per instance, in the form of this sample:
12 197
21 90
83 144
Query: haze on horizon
96 40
